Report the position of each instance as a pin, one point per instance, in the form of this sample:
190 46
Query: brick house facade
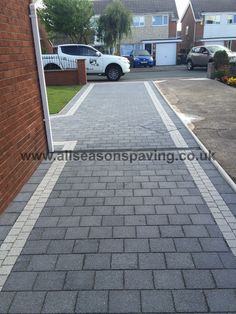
154 28
199 26
21 120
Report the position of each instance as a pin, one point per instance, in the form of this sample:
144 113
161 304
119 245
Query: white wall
220 30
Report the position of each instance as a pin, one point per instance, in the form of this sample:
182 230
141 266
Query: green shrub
220 73
221 59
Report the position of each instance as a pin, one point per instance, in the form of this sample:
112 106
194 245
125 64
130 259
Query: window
231 19
138 21
196 50
212 19
86 51
159 20
187 30
71 50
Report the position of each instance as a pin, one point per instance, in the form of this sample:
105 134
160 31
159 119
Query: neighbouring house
209 22
154 28
22 126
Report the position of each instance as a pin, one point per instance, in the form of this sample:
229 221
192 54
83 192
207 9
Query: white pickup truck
96 63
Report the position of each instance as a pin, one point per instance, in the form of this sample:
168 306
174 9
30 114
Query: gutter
37 46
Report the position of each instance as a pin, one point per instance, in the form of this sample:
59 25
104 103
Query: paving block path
97 236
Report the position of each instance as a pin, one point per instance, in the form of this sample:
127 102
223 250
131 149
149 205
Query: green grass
59 96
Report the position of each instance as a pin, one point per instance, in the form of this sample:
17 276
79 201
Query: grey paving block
138 279
179 219
165 209
124 261
100 232
82 211
171 231
190 301
20 281
148 232
157 301
103 210
86 246
228 260
187 245
53 233
113 221
60 246
91 221
4 231
77 233
79 280
145 210
136 245
225 278
198 279
60 302
202 219
5 301
221 300
42 262
111 245
157 220
124 210
135 220
8 219
69 221
152 261
124 232
214 245
22 263
36 247
162 245
97 261
92 302
179 261
153 200
207 260
109 280
70 262
193 231
168 279
27 302
53 280
187 209
124 301
114 200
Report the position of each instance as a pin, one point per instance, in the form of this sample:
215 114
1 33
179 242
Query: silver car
200 56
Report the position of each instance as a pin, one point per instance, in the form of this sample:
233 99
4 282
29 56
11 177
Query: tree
70 18
114 24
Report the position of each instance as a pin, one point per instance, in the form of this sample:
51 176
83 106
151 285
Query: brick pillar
82 75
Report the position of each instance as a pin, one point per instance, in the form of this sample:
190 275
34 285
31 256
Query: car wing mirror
98 54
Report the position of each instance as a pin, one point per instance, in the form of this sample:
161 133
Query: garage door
166 54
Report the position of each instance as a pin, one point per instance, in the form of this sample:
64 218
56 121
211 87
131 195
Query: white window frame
214 19
140 23
162 20
233 16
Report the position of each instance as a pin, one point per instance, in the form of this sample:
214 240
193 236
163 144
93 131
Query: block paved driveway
92 236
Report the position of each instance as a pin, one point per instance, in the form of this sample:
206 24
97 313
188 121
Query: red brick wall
21 119
199 31
233 45
172 29
61 78
188 20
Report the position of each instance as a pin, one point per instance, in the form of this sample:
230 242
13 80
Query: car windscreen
141 53
213 49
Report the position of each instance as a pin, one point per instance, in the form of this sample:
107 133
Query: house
154 28
209 22
22 118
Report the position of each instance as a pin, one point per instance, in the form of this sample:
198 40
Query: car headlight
135 59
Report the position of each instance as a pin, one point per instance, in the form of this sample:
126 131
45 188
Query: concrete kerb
202 146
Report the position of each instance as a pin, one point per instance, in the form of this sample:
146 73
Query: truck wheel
52 66
113 73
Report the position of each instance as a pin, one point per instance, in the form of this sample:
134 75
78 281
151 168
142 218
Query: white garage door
166 54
